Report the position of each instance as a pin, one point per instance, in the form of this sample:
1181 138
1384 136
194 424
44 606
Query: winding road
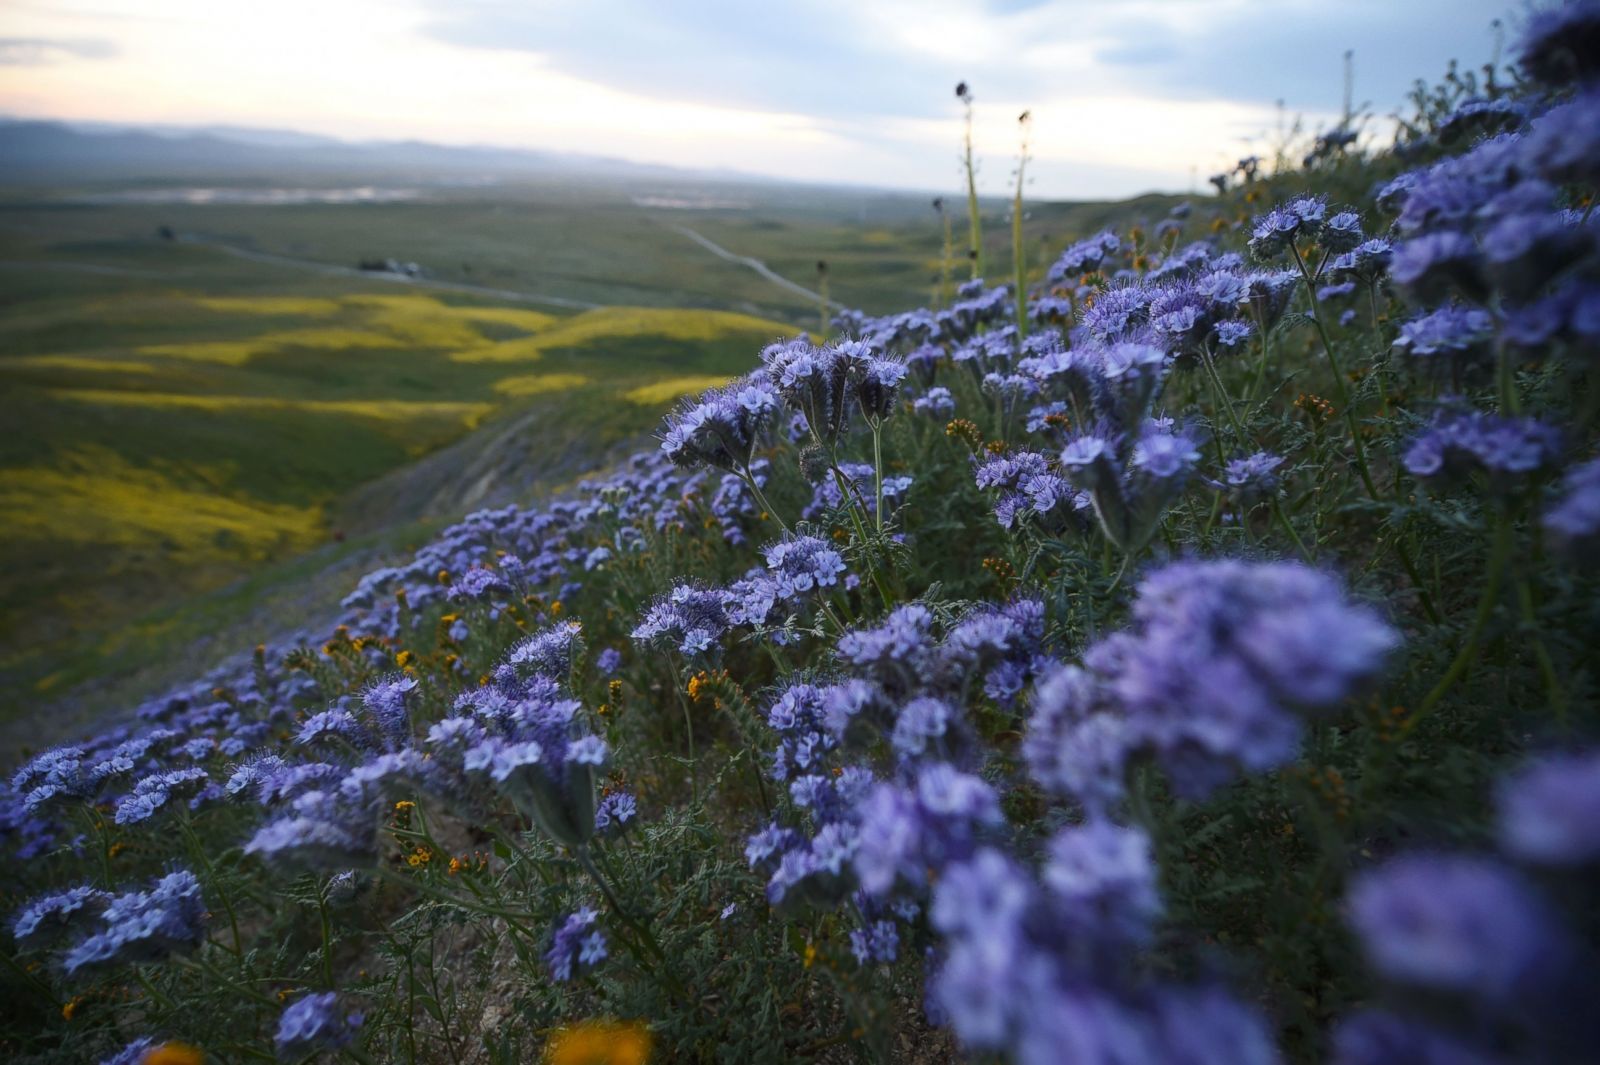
755 264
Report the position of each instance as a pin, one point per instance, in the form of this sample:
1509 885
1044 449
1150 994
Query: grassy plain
227 399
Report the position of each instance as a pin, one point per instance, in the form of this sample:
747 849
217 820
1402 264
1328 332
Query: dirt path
755 264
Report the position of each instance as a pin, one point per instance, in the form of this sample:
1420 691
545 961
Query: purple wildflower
1549 813
1455 924
578 946
1574 521
313 1023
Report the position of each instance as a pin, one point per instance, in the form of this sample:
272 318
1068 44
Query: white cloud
1126 96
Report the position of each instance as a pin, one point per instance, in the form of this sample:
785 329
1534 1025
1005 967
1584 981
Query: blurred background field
210 409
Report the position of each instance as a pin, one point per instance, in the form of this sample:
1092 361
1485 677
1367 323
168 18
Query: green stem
222 978
750 482
1261 360
327 934
33 981
151 989
845 491
1342 394
688 724
200 856
1018 254
1220 395
945 264
877 473
1283 520
1506 379
1547 668
586 862
1341 390
974 229
1499 555
1122 571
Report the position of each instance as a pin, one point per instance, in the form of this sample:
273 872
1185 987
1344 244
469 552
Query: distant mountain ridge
33 151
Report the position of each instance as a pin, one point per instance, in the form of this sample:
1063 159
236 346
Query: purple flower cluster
1506 449
313 1023
858 489
826 384
548 652
802 564
1038 966
577 947
1253 478
1030 490
689 619
1459 334
1489 225
1301 220
614 811
936 403
529 742
1085 257
722 427
1574 521
1211 680
1480 931
51 916
153 792
141 926
1131 481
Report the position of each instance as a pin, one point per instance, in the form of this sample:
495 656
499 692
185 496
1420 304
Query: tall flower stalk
974 228
1019 255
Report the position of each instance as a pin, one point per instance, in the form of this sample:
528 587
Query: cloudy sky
1126 96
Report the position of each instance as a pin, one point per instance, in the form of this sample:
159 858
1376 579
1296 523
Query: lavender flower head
1084 257
1453 330
1252 478
1275 232
314 1023
1506 449
936 403
1430 266
386 702
722 427
1455 924
609 662
878 385
815 382
904 832
153 792
1549 814
1103 877
614 811
801 564
1209 680
548 652
317 833
895 652
145 925
49 916
689 619
1574 521
478 582
1030 490
1561 44
578 946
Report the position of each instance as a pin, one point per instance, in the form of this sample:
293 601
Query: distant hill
32 152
